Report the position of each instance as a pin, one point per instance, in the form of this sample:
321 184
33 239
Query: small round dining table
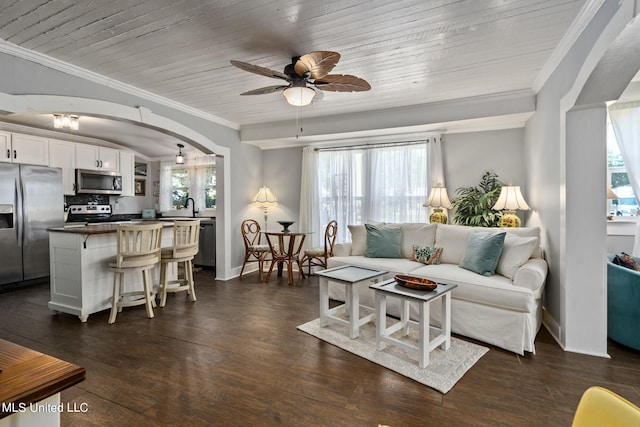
285 249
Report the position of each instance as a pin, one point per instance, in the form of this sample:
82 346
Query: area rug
445 367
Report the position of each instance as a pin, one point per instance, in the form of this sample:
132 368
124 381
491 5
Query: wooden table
285 248
30 386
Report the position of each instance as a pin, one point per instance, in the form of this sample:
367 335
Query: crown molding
73 70
586 14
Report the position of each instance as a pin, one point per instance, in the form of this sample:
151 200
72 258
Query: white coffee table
423 298
351 277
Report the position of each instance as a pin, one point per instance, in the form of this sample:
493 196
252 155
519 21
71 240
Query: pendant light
180 156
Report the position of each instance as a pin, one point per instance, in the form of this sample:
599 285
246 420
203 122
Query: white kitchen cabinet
5 147
97 158
127 171
27 149
62 154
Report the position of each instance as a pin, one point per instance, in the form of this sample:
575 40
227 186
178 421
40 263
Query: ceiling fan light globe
299 96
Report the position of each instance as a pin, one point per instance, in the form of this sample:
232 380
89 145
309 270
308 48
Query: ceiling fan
304 76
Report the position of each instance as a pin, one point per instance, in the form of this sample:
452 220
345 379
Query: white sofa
503 309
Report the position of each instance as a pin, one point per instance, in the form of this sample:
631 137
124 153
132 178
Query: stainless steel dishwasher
206 256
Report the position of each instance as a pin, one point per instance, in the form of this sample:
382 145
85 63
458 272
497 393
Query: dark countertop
29 376
103 228
79 228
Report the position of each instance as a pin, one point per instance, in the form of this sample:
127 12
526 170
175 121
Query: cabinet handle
15 155
8 154
100 163
97 163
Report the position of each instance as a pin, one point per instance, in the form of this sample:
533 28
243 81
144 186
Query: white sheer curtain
625 118
197 167
386 183
398 183
435 170
165 185
309 200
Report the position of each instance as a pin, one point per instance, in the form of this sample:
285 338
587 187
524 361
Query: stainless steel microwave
98 182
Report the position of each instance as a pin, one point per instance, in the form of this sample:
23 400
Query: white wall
282 173
558 153
467 156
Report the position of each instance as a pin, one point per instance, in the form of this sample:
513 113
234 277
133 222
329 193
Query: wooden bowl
415 282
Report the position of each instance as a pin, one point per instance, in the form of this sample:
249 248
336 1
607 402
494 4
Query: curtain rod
375 145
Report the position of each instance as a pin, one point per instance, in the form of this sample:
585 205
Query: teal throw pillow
483 252
383 241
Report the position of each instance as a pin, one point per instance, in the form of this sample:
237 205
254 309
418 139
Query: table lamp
438 199
510 200
264 199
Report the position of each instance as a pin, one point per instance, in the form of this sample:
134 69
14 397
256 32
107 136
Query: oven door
98 182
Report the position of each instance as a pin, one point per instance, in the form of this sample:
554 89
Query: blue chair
623 304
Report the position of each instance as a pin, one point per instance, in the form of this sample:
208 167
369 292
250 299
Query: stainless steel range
91 213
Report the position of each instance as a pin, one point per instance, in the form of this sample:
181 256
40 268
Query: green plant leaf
474 205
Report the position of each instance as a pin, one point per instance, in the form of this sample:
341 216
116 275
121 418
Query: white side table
351 277
423 298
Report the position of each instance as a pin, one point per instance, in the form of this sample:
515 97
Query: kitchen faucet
193 206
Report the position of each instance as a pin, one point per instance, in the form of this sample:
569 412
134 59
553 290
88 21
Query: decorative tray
415 282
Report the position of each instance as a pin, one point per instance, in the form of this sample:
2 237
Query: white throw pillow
358 239
416 234
515 252
453 240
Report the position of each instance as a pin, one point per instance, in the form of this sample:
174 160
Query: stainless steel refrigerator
31 201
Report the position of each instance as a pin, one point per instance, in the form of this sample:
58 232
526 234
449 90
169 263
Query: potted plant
474 205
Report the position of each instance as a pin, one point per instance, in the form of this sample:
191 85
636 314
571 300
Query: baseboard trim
552 326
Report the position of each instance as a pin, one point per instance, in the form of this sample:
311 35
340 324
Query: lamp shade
299 95
438 198
511 199
264 198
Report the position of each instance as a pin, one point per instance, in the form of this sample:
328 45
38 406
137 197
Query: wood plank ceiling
410 51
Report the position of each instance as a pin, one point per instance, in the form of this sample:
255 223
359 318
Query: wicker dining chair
254 251
318 256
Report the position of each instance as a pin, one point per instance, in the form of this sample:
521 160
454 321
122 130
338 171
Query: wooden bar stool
138 251
185 246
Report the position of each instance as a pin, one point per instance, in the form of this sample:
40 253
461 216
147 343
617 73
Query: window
387 184
618 180
180 182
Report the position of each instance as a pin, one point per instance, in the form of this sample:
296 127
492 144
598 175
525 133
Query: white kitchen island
81 282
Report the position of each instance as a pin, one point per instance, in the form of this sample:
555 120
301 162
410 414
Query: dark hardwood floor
235 358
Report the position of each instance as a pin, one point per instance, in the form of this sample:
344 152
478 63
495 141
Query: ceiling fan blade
265 90
256 69
317 64
342 83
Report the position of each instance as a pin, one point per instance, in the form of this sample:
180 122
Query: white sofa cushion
358 239
416 234
392 265
496 290
515 252
453 240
